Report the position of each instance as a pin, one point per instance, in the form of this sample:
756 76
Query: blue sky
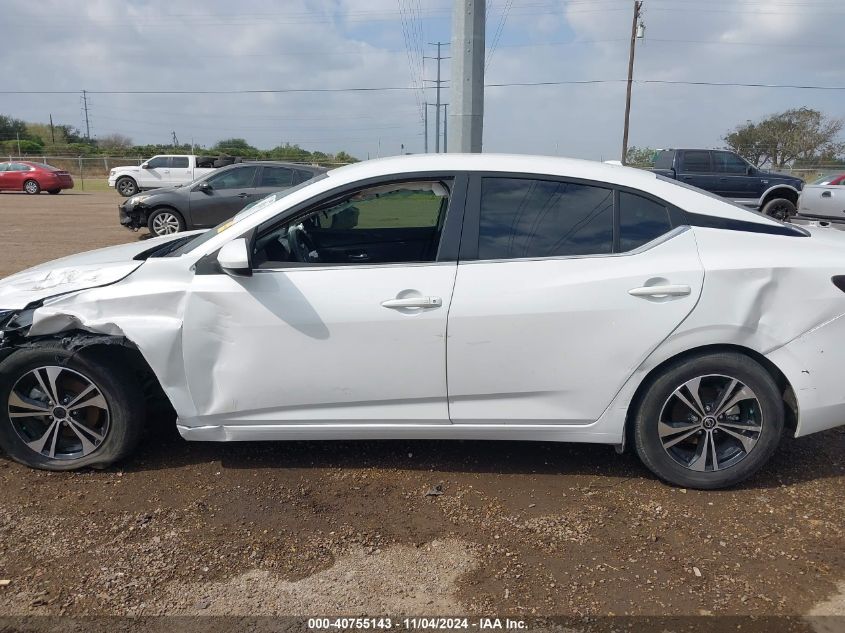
258 44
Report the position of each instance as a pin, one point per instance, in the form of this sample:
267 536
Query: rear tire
53 192
779 209
683 437
45 379
165 221
31 186
126 187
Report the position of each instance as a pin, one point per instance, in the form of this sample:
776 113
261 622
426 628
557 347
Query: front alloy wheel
63 410
165 223
59 413
709 421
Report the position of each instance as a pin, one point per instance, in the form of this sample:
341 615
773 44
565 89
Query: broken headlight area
14 323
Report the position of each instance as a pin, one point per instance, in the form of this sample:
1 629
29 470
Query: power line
409 88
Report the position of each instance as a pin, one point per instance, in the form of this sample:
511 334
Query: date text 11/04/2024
416 623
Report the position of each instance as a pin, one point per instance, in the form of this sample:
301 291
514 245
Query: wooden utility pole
638 5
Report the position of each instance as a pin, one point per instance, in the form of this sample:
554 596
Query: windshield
247 211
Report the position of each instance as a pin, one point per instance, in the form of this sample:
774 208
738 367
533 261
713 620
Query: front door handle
243 195
413 302
661 291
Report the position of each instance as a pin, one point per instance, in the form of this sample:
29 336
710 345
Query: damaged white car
448 296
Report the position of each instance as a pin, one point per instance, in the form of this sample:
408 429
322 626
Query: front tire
126 187
61 411
779 209
165 222
709 421
31 187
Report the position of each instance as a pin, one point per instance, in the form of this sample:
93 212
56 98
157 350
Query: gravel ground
526 529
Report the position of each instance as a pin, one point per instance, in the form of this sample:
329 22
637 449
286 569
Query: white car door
181 172
155 173
342 321
560 302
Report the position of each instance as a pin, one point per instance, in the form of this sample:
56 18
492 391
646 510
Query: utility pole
85 107
52 131
637 30
175 140
18 136
437 83
425 128
467 85
445 127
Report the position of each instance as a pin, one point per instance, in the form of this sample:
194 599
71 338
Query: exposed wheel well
95 346
782 192
788 395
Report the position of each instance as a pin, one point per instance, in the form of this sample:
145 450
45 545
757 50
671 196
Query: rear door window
640 221
179 162
543 218
696 161
276 177
729 163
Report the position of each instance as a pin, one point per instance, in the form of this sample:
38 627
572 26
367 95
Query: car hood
786 177
76 272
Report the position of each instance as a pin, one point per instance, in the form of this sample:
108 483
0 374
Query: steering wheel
301 245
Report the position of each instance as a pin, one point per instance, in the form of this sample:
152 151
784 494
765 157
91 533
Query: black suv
212 199
729 175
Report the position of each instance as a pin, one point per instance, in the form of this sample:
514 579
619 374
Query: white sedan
445 296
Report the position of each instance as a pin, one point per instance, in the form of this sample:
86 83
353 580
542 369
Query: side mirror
205 187
234 258
145 165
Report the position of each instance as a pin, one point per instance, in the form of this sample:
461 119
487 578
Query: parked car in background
729 175
583 302
212 199
165 170
823 200
23 175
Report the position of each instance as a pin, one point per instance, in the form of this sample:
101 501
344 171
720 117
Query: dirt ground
521 529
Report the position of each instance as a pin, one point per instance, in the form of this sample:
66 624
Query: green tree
235 146
782 139
640 156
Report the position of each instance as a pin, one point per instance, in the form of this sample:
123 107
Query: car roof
279 163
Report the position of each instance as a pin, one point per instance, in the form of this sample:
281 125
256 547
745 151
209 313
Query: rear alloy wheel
165 222
709 422
31 187
126 187
779 209
63 412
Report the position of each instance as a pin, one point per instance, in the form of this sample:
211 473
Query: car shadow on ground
797 460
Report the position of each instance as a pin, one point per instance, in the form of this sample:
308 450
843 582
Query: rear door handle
827 194
413 302
661 291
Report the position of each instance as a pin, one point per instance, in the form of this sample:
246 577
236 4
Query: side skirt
410 431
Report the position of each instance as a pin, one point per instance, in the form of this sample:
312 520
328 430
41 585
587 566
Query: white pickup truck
165 170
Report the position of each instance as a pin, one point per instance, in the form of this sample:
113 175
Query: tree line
18 137
799 138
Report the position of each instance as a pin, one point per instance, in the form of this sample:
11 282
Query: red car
31 177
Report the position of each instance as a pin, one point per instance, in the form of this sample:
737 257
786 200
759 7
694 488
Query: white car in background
443 297
823 200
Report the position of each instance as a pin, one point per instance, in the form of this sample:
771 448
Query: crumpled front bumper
133 218
814 364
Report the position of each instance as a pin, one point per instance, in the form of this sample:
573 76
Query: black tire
53 192
779 209
165 221
31 186
126 186
646 432
120 390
